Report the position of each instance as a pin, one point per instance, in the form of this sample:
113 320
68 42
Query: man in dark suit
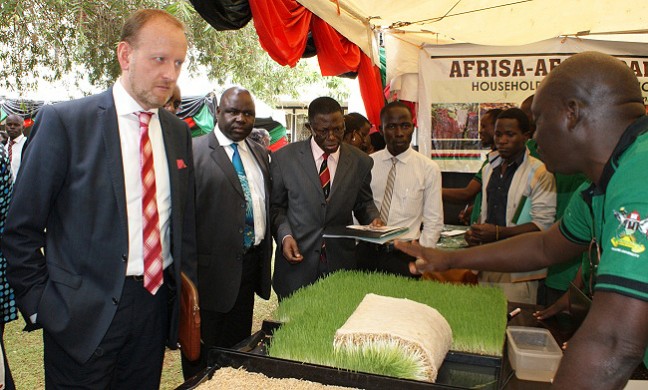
107 190
232 225
318 183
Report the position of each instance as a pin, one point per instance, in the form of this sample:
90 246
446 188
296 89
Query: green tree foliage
51 38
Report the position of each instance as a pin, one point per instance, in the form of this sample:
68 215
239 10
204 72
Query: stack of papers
376 235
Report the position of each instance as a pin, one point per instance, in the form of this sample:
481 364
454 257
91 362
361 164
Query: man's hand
291 250
481 233
377 223
560 306
470 238
427 259
464 215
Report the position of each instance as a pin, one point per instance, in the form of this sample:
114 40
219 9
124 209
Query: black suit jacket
300 209
69 200
220 206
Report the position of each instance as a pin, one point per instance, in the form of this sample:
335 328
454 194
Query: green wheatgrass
310 317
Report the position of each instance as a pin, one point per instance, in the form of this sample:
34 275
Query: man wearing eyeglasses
590 118
414 196
317 183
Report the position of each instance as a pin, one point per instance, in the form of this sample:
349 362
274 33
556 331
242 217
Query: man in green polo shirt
590 118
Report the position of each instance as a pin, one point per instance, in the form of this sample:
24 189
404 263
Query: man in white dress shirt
15 125
415 193
232 226
107 186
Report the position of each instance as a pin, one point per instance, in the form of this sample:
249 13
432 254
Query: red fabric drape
335 53
281 142
412 106
370 88
282 27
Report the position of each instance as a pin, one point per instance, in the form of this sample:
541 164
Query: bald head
581 109
597 80
235 113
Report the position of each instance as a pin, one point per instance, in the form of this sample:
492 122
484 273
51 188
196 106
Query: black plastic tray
459 370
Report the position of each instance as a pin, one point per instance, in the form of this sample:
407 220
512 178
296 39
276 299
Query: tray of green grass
310 317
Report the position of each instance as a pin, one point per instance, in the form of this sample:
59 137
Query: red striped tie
325 176
325 180
152 245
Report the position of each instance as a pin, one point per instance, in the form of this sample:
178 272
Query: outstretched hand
427 259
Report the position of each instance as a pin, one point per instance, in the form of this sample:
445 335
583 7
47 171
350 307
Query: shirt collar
19 139
319 152
124 102
402 157
224 140
629 136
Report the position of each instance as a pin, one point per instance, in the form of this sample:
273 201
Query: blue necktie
248 233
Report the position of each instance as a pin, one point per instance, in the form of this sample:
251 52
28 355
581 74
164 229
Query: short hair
323 105
137 20
494 113
20 118
394 104
354 121
519 115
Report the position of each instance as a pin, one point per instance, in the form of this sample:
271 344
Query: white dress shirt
255 180
129 135
16 154
416 197
318 156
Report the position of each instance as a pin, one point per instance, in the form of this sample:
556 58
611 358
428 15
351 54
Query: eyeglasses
594 256
404 126
326 132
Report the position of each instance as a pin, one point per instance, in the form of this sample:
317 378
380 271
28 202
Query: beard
145 94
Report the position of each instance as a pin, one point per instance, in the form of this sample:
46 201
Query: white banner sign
459 83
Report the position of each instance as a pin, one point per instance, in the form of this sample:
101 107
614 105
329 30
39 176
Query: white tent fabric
484 22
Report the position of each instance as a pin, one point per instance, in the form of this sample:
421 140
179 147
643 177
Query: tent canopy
483 22
407 25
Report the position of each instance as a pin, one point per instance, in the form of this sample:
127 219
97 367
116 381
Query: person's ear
124 51
574 111
308 126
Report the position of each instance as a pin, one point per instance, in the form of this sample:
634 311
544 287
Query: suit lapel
109 128
221 159
171 148
262 161
307 163
259 157
342 171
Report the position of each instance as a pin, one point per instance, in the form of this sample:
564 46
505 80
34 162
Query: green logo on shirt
629 224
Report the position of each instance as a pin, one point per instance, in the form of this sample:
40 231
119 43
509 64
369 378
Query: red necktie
325 180
325 176
152 245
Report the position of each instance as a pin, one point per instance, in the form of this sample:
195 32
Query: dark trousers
9 383
383 258
129 356
228 329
